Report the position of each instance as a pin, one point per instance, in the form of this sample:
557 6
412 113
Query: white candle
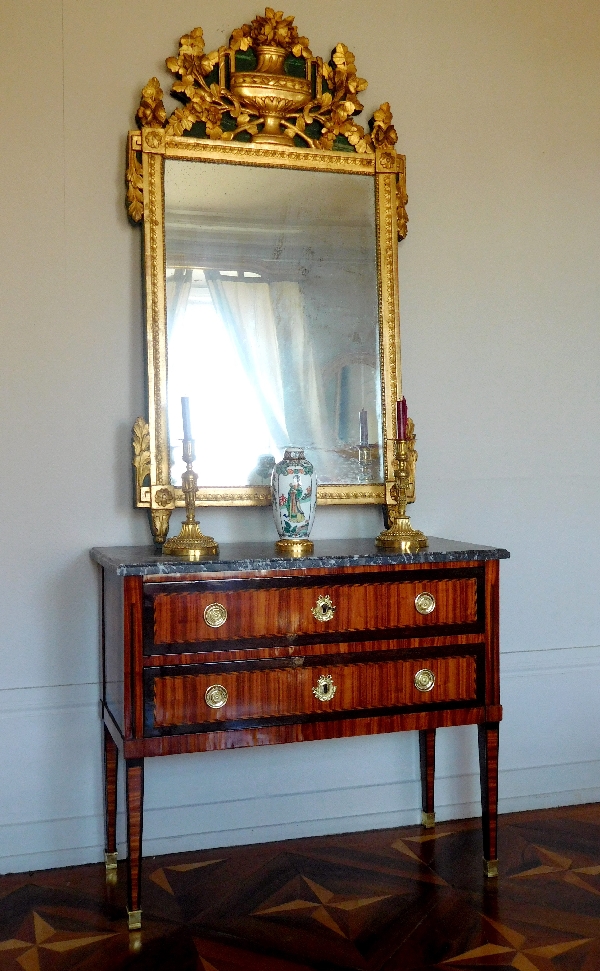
363 424
185 414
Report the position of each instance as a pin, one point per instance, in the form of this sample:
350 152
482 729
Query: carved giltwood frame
326 138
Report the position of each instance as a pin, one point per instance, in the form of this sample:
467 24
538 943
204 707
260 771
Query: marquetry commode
247 648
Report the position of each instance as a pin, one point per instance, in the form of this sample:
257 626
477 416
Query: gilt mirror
271 222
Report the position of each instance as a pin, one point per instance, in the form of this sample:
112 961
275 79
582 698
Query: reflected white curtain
268 324
179 286
304 399
246 310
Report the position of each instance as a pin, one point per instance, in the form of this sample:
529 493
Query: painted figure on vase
294 498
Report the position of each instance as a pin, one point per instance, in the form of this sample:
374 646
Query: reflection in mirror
272 321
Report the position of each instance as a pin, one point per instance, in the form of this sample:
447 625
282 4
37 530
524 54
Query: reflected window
228 425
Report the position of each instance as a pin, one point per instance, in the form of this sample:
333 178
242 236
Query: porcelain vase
294 494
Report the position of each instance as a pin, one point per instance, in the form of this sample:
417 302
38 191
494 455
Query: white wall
497 109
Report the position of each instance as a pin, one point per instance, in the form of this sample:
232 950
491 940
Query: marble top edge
328 554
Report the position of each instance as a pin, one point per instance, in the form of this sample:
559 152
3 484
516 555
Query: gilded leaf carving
192 64
401 202
135 186
141 452
205 102
337 105
159 523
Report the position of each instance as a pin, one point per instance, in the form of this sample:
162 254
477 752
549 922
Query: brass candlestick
401 535
191 543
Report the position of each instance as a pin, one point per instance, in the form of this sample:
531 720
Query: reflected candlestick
185 414
363 425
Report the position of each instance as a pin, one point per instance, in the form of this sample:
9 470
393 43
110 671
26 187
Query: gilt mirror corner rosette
271 220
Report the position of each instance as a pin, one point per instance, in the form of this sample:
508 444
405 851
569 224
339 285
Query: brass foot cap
110 861
490 868
294 547
134 920
428 820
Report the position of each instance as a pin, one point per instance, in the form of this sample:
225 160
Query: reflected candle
363 425
185 414
401 418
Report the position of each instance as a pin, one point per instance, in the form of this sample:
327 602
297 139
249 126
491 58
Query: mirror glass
272 321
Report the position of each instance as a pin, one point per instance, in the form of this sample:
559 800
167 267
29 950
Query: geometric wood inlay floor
387 900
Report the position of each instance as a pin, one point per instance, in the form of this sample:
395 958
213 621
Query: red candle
401 418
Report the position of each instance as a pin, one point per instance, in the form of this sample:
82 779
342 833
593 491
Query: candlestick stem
401 535
191 543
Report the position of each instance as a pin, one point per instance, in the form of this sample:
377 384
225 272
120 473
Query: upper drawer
207 611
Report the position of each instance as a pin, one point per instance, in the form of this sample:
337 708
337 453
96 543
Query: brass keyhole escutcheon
425 603
216 696
324 609
424 680
324 689
215 615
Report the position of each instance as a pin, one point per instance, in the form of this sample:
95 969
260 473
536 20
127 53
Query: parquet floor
387 900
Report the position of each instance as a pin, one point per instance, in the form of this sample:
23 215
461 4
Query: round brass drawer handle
425 603
324 609
424 680
215 615
216 696
324 689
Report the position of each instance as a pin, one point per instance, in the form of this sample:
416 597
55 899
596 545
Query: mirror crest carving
265 104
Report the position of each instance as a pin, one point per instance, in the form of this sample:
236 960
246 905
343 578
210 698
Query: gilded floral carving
383 133
274 30
164 497
204 84
151 112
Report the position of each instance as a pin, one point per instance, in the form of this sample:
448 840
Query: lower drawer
208 699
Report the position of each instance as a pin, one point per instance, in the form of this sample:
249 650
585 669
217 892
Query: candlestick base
402 536
191 543
364 456
294 547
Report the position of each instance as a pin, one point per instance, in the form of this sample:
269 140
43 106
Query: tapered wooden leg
488 769
427 753
134 786
111 762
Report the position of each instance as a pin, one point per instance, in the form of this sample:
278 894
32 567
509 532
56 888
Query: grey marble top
328 553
